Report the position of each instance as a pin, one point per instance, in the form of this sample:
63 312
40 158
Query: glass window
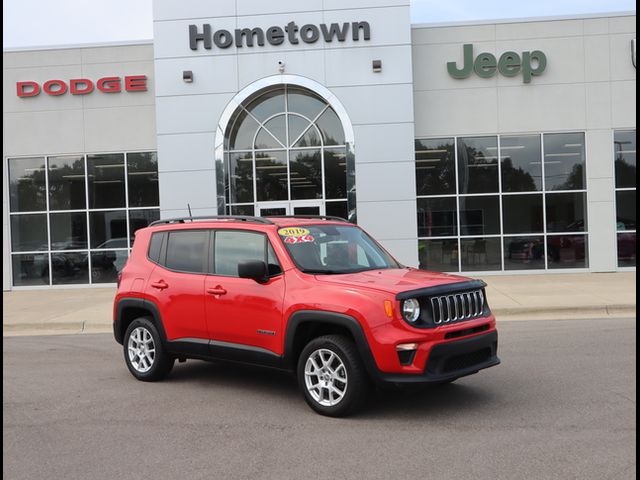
480 215
567 251
155 245
30 269
566 212
331 128
142 218
521 163
187 251
564 161
69 268
478 165
142 173
233 247
68 231
435 167
626 210
480 254
106 265
304 102
297 126
306 174
625 158
438 255
310 138
271 176
243 210
108 229
67 183
335 173
337 209
627 249
524 253
273 264
242 132
437 217
522 213
27 184
267 104
241 176
106 180
29 233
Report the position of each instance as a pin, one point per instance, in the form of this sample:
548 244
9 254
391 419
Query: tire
144 353
322 390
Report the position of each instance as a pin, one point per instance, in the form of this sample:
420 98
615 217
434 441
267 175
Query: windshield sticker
300 239
294 232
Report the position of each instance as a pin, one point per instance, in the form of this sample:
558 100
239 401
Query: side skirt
204 349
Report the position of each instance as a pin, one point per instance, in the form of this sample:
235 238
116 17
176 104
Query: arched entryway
284 150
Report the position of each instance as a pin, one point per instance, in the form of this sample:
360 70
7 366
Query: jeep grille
457 306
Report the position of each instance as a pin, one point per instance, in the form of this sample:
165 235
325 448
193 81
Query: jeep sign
531 64
82 86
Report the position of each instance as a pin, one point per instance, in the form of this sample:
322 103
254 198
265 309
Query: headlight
411 310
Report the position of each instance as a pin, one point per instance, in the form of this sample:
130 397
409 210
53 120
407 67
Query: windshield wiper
324 272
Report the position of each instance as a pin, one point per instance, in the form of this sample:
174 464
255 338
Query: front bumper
451 360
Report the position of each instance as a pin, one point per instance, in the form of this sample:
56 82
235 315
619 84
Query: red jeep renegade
314 295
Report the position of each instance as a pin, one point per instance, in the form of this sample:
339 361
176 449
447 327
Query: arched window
285 153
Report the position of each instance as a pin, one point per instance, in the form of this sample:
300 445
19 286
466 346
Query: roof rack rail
239 218
318 217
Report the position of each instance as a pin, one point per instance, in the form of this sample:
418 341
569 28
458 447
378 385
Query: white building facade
497 147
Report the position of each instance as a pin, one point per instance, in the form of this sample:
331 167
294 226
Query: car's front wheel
332 377
143 351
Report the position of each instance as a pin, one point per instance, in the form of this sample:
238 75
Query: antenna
189 208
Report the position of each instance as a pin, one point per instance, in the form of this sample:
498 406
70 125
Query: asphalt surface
561 405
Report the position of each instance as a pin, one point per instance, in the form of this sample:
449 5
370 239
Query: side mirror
254 269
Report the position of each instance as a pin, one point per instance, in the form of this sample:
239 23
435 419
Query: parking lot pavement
561 405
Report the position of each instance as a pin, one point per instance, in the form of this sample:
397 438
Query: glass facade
287 144
624 142
502 203
73 217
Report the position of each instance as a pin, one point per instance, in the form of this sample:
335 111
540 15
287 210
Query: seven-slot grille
457 306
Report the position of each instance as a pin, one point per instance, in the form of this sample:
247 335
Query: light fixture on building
377 66
281 66
187 76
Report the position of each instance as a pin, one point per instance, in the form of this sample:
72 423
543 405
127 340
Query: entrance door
305 207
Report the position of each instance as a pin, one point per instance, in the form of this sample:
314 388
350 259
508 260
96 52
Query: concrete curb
502 314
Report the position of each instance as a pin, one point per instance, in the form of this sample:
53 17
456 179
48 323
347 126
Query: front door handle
160 284
217 290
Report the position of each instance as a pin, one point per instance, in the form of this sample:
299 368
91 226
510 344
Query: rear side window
155 246
233 247
187 251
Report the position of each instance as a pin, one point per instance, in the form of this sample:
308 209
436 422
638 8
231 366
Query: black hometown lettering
334 31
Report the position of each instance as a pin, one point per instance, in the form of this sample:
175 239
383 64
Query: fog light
403 347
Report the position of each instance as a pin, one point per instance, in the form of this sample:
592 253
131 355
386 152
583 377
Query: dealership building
480 147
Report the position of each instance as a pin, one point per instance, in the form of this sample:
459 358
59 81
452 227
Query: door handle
217 290
160 284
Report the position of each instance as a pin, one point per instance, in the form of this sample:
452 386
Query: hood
394 280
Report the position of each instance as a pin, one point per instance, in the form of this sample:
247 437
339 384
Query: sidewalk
512 297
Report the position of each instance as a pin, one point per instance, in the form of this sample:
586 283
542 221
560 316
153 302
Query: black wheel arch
303 321
128 309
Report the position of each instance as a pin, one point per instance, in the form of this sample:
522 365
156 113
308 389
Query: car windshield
334 249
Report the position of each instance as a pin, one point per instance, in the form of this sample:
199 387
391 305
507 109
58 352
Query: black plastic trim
442 289
132 302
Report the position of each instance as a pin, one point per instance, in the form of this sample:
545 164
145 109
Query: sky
29 23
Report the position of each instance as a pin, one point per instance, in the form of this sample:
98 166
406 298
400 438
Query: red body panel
242 311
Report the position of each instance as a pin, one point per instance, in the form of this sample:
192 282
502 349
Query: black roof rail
316 217
239 218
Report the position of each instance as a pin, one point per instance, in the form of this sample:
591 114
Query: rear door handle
160 285
217 290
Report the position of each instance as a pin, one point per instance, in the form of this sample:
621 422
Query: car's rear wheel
332 377
143 351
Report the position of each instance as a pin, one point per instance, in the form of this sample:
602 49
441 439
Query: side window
187 251
233 247
155 245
